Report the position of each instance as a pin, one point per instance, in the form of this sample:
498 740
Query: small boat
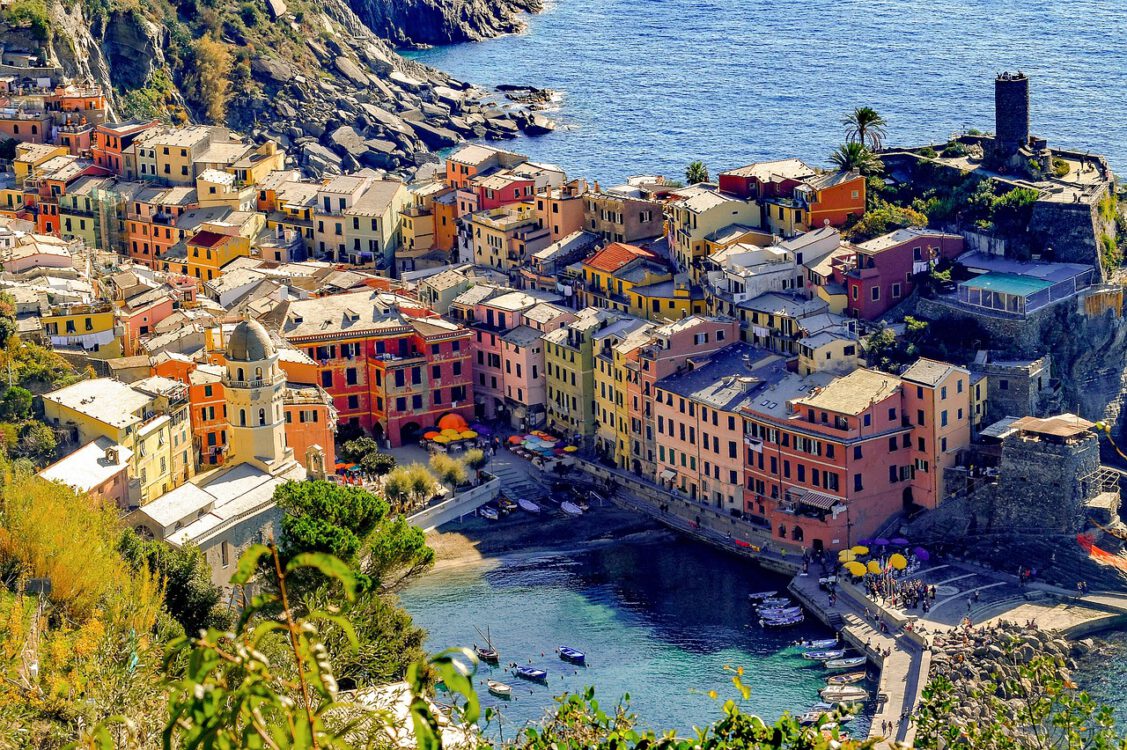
822 643
834 653
487 654
571 508
776 601
824 707
848 662
783 622
506 505
777 613
488 512
531 673
811 717
846 679
500 689
528 505
573 655
760 595
844 693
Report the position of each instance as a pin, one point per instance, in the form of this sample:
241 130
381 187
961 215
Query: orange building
446 222
112 146
26 127
561 210
151 222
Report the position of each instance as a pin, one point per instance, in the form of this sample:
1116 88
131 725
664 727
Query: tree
423 483
209 82
448 470
322 516
854 156
377 464
15 406
396 547
883 218
696 172
865 126
355 450
37 442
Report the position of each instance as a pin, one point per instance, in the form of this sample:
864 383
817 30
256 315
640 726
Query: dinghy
835 653
500 689
760 595
846 679
848 662
528 505
839 693
531 673
571 508
573 655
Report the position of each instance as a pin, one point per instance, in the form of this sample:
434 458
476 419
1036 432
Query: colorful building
699 212
504 238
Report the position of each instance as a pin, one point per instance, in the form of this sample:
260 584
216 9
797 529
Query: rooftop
88 467
792 306
616 255
1061 426
928 372
853 393
109 401
774 171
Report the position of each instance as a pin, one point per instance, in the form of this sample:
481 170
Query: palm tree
850 156
696 172
864 125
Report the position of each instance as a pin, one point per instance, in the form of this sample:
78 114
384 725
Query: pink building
140 314
99 468
879 274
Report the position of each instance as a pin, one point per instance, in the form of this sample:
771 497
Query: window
327 379
943 418
896 290
1004 384
350 376
876 294
920 417
858 484
261 417
353 402
856 452
893 475
943 393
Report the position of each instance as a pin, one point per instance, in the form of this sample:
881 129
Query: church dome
249 342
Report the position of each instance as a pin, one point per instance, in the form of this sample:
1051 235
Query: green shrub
448 470
30 14
1060 167
928 152
378 464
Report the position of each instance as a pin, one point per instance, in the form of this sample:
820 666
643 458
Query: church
226 510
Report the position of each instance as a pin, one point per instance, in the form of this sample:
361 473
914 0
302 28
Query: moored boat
835 653
573 655
571 508
776 613
783 622
528 505
839 693
848 662
846 679
500 689
506 505
488 512
531 673
760 595
487 654
822 643
776 601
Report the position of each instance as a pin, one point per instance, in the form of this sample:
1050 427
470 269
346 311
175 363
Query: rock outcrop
315 79
417 23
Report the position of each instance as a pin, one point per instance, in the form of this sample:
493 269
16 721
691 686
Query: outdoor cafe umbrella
515 439
860 549
468 435
921 554
898 561
571 449
846 555
900 541
881 542
855 568
442 439
430 435
874 567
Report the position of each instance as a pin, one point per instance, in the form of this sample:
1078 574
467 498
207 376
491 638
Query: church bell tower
254 387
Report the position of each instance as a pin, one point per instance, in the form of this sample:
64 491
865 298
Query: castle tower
1011 113
254 385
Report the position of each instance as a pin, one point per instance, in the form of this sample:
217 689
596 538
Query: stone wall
1072 230
1042 487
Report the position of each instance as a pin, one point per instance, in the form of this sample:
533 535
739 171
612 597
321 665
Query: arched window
240 378
258 373
796 533
782 531
261 417
242 417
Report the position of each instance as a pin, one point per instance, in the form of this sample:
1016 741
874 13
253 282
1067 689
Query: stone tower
254 386
1011 113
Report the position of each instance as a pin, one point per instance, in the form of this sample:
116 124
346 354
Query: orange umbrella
515 439
430 435
453 422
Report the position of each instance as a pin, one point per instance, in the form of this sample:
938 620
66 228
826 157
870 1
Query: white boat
528 505
776 613
499 689
835 653
821 643
488 512
571 508
839 693
846 679
782 622
848 662
776 601
761 595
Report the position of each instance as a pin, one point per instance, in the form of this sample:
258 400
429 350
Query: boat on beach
500 689
528 505
848 662
846 679
571 508
839 693
489 513
760 595
532 674
506 505
835 653
573 655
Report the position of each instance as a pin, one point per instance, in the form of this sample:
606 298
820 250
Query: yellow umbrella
442 439
856 568
860 549
571 449
874 567
846 555
469 435
451 433
898 561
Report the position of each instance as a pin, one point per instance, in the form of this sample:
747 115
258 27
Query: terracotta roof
616 255
208 239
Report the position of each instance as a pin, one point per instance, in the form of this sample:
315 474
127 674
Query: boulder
347 140
401 79
539 125
319 160
351 71
435 137
386 119
271 69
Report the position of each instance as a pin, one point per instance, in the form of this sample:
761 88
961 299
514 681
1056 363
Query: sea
663 622
648 86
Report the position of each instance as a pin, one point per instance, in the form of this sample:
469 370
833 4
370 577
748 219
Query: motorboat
528 505
826 655
783 622
811 717
571 508
489 513
760 595
487 654
846 679
500 689
779 612
531 673
821 643
839 693
573 655
848 662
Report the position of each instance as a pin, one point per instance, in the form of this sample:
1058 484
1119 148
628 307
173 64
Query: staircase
514 482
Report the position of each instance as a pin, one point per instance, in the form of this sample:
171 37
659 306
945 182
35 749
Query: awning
667 474
818 500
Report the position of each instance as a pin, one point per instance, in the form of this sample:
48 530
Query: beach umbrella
874 567
451 433
846 555
571 449
900 541
921 553
898 561
453 422
855 568
515 439
880 541
469 435
860 549
430 435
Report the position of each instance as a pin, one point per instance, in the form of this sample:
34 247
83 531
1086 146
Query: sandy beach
477 541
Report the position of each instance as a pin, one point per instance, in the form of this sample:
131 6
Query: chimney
112 455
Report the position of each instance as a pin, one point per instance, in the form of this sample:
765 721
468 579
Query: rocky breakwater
991 680
422 23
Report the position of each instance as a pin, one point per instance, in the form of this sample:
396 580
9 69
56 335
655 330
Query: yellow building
31 155
615 372
216 188
168 154
835 352
258 162
505 237
149 417
666 300
635 281
89 328
700 212
209 251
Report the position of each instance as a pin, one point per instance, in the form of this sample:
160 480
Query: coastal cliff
311 76
419 23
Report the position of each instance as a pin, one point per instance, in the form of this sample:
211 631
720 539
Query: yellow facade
92 328
835 298
207 258
31 155
666 302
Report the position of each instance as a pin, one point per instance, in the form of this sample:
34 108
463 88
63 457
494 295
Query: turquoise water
657 621
650 85
1101 673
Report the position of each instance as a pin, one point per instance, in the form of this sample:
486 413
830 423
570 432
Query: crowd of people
905 593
